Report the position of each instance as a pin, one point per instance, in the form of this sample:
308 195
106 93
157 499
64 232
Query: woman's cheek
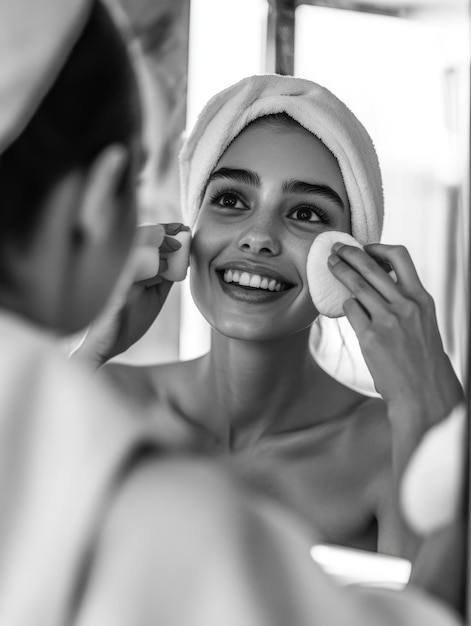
201 247
201 254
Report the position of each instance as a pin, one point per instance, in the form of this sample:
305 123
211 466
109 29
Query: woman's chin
244 330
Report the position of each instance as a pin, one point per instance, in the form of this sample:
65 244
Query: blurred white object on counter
350 566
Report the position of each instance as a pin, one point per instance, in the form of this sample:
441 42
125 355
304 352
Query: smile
253 281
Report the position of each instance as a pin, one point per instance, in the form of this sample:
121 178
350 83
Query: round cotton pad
328 293
179 260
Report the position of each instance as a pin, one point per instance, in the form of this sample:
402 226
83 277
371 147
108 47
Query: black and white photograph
235 315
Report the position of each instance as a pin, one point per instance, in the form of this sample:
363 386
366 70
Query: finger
146 263
155 280
400 260
178 260
158 291
150 235
170 244
365 293
174 228
163 267
356 315
370 270
151 282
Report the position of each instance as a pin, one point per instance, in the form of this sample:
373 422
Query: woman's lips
255 281
251 287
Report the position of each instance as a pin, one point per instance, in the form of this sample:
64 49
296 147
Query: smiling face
272 192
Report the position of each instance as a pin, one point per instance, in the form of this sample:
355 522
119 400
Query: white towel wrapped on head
313 107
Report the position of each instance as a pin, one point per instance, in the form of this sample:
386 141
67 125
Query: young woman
272 162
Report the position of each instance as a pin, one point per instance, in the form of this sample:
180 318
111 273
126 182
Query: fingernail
169 244
333 259
173 228
336 247
173 244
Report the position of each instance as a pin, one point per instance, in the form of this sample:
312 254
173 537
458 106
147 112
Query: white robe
63 441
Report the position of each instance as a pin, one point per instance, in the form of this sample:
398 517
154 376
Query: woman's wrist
411 420
425 411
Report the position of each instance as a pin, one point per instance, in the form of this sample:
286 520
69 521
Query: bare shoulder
371 425
149 384
183 541
371 444
376 447
362 431
159 492
148 546
366 444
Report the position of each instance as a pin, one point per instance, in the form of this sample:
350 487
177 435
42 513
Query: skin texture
258 397
267 232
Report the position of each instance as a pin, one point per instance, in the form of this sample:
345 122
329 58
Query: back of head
93 103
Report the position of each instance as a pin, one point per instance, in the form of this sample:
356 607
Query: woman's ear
97 211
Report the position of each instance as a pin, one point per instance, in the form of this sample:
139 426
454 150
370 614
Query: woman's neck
255 388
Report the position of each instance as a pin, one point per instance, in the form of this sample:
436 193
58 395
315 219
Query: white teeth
255 281
244 280
252 280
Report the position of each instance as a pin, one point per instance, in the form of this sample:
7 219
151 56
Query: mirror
402 67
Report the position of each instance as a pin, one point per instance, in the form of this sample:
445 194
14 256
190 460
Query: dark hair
93 103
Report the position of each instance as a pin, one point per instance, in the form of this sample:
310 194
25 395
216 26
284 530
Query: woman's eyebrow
298 186
247 177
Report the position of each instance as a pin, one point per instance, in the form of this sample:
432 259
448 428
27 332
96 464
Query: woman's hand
137 299
397 328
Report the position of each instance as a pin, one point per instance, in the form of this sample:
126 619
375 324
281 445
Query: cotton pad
179 260
328 293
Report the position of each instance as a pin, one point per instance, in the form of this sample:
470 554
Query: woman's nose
260 238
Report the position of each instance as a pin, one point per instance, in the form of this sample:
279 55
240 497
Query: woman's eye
228 200
305 214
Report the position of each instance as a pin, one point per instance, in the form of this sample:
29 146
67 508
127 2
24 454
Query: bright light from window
227 43
388 70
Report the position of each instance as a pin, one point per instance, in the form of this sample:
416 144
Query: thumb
146 263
